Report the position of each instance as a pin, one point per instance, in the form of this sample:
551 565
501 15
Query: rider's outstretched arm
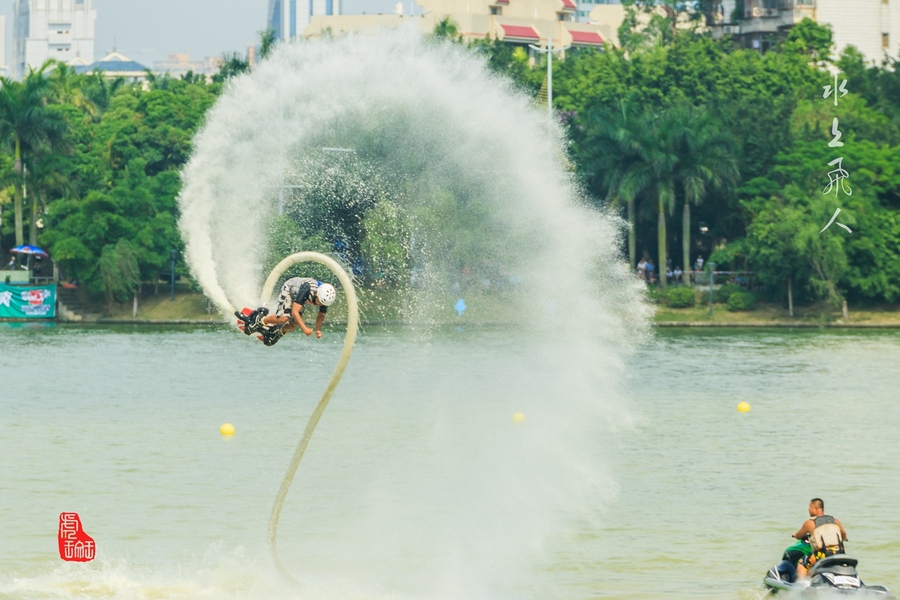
319 320
804 531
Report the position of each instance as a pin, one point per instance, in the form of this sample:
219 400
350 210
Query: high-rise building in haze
4 68
288 18
58 29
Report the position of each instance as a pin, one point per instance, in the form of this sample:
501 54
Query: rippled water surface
412 487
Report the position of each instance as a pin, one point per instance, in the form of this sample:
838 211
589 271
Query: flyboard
349 340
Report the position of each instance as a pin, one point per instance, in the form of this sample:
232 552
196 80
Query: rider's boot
251 321
271 335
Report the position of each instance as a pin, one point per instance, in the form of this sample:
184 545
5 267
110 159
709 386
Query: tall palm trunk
32 232
632 236
661 228
791 296
20 231
686 236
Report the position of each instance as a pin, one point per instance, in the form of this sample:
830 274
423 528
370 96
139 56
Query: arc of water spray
349 340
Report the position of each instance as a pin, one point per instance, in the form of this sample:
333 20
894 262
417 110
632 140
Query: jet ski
832 576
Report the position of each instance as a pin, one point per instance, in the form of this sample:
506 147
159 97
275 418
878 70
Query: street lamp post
549 52
712 271
172 275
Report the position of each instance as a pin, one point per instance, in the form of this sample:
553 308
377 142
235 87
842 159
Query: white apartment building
4 68
288 18
59 29
872 26
586 6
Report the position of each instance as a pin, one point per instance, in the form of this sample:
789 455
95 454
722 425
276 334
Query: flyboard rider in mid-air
295 293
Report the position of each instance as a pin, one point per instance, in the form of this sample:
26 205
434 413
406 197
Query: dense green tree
122 180
512 61
879 85
386 243
784 245
649 125
119 273
812 39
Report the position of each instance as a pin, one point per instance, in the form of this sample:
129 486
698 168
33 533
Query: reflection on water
414 484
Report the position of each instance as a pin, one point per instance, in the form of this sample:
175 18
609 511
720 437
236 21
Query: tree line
91 169
675 126
673 129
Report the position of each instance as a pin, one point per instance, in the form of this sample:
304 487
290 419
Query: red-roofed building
519 22
518 33
586 38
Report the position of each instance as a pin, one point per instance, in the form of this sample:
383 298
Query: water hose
349 340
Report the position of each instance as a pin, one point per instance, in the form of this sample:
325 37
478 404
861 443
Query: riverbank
768 315
382 306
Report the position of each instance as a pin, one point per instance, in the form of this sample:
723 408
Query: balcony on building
761 18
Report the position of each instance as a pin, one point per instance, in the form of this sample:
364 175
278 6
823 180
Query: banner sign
27 302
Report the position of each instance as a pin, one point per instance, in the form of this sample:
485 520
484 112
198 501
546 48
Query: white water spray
470 178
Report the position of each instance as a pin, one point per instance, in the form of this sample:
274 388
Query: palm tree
99 90
706 162
66 87
268 39
232 65
613 146
447 29
27 125
630 155
687 155
659 167
45 175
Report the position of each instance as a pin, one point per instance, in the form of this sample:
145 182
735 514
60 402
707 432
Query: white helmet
326 294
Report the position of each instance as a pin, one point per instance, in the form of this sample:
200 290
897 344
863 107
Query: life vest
827 535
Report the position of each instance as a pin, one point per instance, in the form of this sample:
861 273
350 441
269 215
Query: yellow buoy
743 407
226 429
518 417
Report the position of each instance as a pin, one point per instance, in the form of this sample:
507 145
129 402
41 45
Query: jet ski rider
825 533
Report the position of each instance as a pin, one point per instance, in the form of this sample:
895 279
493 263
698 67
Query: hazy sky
150 30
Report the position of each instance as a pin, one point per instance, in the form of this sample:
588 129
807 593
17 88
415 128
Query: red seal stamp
74 544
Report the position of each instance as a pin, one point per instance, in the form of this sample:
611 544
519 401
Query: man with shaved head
826 536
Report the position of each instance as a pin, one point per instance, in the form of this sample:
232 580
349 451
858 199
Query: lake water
418 484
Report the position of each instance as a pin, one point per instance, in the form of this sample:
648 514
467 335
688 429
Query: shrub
725 291
655 295
741 301
681 297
